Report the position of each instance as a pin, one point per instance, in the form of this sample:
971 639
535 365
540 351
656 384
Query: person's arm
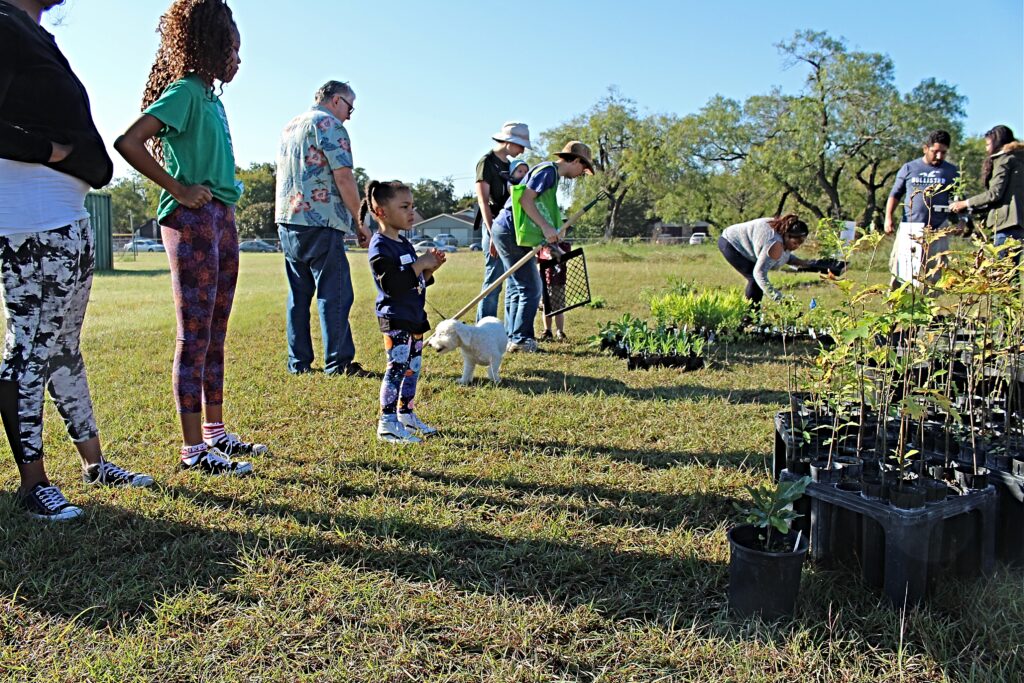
394 279
132 146
890 206
774 252
997 187
899 188
345 181
16 143
483 193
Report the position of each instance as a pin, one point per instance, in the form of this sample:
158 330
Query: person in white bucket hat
491 194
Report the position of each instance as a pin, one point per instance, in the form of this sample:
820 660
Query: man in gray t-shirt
914 180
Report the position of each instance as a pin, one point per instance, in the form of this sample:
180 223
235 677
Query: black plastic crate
904 552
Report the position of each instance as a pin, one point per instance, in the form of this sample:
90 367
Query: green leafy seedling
771 510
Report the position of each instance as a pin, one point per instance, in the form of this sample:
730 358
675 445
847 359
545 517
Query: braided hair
196 36
379 192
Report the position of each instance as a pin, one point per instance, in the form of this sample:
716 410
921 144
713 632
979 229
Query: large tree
618 137
133 201
831 147
258 181
256 220
434 197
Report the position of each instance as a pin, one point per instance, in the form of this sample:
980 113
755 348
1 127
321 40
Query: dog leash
437 310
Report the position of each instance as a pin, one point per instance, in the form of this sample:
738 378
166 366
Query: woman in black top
50 155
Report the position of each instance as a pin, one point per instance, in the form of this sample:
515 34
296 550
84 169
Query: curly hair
789 225
196 36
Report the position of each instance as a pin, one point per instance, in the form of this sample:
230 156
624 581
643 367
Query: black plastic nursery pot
763 584
825 472
640 361
906 497
934 491
971 478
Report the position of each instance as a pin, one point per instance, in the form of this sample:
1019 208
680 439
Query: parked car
144 244
446 239
476 246
257 245
698 238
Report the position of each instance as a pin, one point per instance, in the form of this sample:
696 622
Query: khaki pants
909 250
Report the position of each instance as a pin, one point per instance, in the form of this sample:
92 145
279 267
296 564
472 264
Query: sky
434 80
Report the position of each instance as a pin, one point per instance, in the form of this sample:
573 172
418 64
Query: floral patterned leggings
405 355
202 248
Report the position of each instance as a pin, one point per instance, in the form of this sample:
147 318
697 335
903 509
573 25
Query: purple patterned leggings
405 356
202 247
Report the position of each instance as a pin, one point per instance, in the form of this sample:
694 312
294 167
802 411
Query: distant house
456 225
677 232
371 225
148 229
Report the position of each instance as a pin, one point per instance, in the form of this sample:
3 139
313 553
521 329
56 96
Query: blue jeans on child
522 288
315 263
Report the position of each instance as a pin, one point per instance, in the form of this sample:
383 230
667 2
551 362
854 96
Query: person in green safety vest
537 201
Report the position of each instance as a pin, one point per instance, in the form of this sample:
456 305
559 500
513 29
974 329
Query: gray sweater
753 239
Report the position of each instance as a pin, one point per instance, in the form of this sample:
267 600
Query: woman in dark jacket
1003 176
50 155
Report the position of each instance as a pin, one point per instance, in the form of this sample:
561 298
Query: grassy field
568 525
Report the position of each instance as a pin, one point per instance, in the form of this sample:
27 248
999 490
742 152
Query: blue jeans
1002 236
522 289
315 263
493 269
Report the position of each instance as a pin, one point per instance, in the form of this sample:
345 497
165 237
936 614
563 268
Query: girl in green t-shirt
183 144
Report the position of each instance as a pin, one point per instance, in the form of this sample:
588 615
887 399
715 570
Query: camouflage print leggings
46 278
202 248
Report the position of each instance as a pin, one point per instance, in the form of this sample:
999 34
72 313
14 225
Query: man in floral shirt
317 201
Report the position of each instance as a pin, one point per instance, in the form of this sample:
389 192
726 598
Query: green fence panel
102 218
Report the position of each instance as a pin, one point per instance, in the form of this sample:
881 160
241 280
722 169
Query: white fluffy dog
481 344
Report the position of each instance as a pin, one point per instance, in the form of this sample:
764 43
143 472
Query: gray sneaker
393 431
106 473
414 424
525 346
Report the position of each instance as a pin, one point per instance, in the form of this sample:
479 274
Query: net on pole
566 284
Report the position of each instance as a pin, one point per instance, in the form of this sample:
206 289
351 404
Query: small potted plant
766 556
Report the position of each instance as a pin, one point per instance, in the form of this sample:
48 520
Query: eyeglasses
351 107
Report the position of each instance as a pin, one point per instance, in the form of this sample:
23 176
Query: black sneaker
213 462
107 473
44 501
356 370
546 335
230 445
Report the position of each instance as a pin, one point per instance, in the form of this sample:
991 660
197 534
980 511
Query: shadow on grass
114 567
141 272
648 457
596 504
540 381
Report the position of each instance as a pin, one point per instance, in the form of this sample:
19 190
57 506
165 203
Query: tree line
134 199
831 149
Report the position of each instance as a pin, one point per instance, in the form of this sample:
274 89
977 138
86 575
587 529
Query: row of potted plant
645 347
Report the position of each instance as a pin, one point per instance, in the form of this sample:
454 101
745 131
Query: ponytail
377 193
789 225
